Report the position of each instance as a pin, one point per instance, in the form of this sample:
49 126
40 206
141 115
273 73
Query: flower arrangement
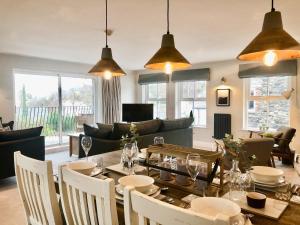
235 148
132 137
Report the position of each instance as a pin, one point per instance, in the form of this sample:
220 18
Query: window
61 107
265 105
155 94
191 95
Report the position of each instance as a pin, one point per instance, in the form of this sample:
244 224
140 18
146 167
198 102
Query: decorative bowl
140 182
256 200
83 167
212 206
266 174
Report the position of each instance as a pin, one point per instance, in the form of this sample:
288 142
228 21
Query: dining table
291 216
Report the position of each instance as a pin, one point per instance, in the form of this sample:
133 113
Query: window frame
180 98
147 99
267 98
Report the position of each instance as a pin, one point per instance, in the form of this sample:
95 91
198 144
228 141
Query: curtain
111 100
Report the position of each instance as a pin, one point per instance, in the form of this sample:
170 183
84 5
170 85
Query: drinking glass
159 141
99 161
193 165
86 143
130 153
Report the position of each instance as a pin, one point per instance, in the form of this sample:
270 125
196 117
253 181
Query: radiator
222 125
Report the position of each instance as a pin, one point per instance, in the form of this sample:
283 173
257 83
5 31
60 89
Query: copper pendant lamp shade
167 58
107 63
106 67
272 38
167 53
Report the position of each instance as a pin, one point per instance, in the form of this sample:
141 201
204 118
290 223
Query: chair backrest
87 200
287 135
36 187
139 208
261 148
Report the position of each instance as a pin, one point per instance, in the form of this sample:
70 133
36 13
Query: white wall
10 62
229 70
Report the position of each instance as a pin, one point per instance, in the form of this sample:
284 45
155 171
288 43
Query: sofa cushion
105 128
176 124
120 129
103 132
148 127
20 134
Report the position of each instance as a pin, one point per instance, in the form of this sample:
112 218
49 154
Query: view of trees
34 110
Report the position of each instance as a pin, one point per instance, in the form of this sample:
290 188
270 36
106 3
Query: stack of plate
142 183
85 167
267 177
214 208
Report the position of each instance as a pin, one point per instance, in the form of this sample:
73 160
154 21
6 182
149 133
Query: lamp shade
167 54
272 38
107 63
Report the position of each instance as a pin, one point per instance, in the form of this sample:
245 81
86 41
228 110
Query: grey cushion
176 124
103 132
148 127
20 134
120 129
105 128
143 128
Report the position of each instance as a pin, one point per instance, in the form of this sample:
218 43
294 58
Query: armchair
281 148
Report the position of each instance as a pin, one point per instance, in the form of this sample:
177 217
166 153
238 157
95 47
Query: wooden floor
11 208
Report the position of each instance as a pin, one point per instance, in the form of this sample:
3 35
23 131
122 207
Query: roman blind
153 78
195 74
282 68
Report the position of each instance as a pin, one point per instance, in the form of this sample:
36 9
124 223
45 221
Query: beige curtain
111 100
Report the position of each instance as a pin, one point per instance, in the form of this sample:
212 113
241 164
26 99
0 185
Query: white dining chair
87 200
36 187
140 209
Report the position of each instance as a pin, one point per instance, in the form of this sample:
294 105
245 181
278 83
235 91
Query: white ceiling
72 30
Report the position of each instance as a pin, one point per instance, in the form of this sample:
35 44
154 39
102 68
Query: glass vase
236 191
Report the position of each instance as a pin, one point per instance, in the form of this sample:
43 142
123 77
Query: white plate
265 174
280 182
153 189
96 171
141 182
154 195
212 206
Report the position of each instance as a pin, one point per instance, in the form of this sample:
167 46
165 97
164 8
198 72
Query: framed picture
223 97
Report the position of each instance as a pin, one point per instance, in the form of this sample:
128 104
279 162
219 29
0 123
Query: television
137 112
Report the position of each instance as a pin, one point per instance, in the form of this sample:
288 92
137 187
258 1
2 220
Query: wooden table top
291 216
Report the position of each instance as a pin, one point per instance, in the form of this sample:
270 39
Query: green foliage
132 137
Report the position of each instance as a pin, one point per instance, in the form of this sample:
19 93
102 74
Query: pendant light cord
168 16
106 24
273 9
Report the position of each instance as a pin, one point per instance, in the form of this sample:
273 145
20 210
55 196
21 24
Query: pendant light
273 43
107 67
167 58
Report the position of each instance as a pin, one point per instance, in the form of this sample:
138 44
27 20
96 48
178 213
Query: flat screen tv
137 112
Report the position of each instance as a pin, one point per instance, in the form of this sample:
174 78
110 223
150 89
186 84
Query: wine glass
193 165
86 143
130 153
